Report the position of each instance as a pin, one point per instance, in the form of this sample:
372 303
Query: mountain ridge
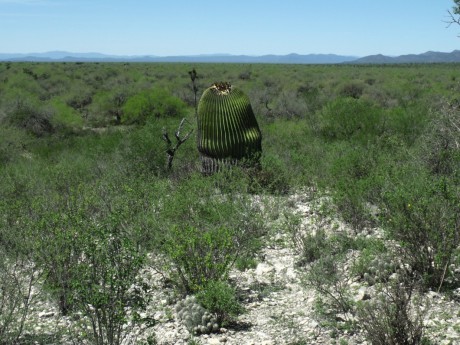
62 56
293 58
427 57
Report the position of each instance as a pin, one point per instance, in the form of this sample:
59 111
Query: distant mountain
428 57
61 56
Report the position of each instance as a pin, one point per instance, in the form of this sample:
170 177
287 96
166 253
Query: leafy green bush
312 246
355 175
13 143
289 106
407 123
17 276
151 103
85 242
35 119
56 251
351 119
105 288
205 231
312 94
146 151
421 212
393 316
200 255
441 142
107 106
272 176
65 116
80 99
374 263
353 90
330 282
220 299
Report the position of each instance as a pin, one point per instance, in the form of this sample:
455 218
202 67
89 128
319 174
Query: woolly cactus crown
227 128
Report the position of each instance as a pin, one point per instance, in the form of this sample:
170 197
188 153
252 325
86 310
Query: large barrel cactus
227 128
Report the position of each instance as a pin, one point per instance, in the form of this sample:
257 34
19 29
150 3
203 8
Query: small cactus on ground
196 318
227 128
380 269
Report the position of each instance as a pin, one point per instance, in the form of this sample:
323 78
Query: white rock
362 294
264 273
45 315
267 342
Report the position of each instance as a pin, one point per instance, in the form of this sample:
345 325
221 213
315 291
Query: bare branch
171 150
452 19
165 137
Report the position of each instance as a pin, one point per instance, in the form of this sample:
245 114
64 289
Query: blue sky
252 27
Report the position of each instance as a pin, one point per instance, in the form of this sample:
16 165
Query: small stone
264 269
314 324
432 294
362 294
45 315
340 318
267 342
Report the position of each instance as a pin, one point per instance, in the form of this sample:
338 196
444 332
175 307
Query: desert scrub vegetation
85 190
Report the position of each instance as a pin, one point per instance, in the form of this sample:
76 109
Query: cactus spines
227 128
195 317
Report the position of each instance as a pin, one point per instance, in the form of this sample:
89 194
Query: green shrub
290 106
220 299
205 231
407 123
13 144
85 242
30 116
351 119
393 316
272 177
441 142
56 251
312 94
333 294
80 99
312 246
200 255
145 152
17 276
353 90
107 107
356 174
374 261
65 116
105 288
421 212
151 103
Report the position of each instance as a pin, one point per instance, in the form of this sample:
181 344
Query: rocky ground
279 306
